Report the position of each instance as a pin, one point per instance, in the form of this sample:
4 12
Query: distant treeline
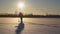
32 16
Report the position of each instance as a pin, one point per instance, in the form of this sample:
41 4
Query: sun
20 5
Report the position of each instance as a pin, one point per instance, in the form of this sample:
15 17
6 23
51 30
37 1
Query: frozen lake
31 25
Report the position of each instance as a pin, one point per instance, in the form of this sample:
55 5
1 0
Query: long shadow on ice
36 24
20 28
56 25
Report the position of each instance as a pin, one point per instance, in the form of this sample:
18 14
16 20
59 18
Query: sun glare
20 5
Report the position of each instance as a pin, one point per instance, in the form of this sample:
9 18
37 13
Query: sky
40 7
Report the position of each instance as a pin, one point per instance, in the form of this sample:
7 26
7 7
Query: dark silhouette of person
20 27
21 16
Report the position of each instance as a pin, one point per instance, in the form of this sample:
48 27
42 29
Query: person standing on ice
21 16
